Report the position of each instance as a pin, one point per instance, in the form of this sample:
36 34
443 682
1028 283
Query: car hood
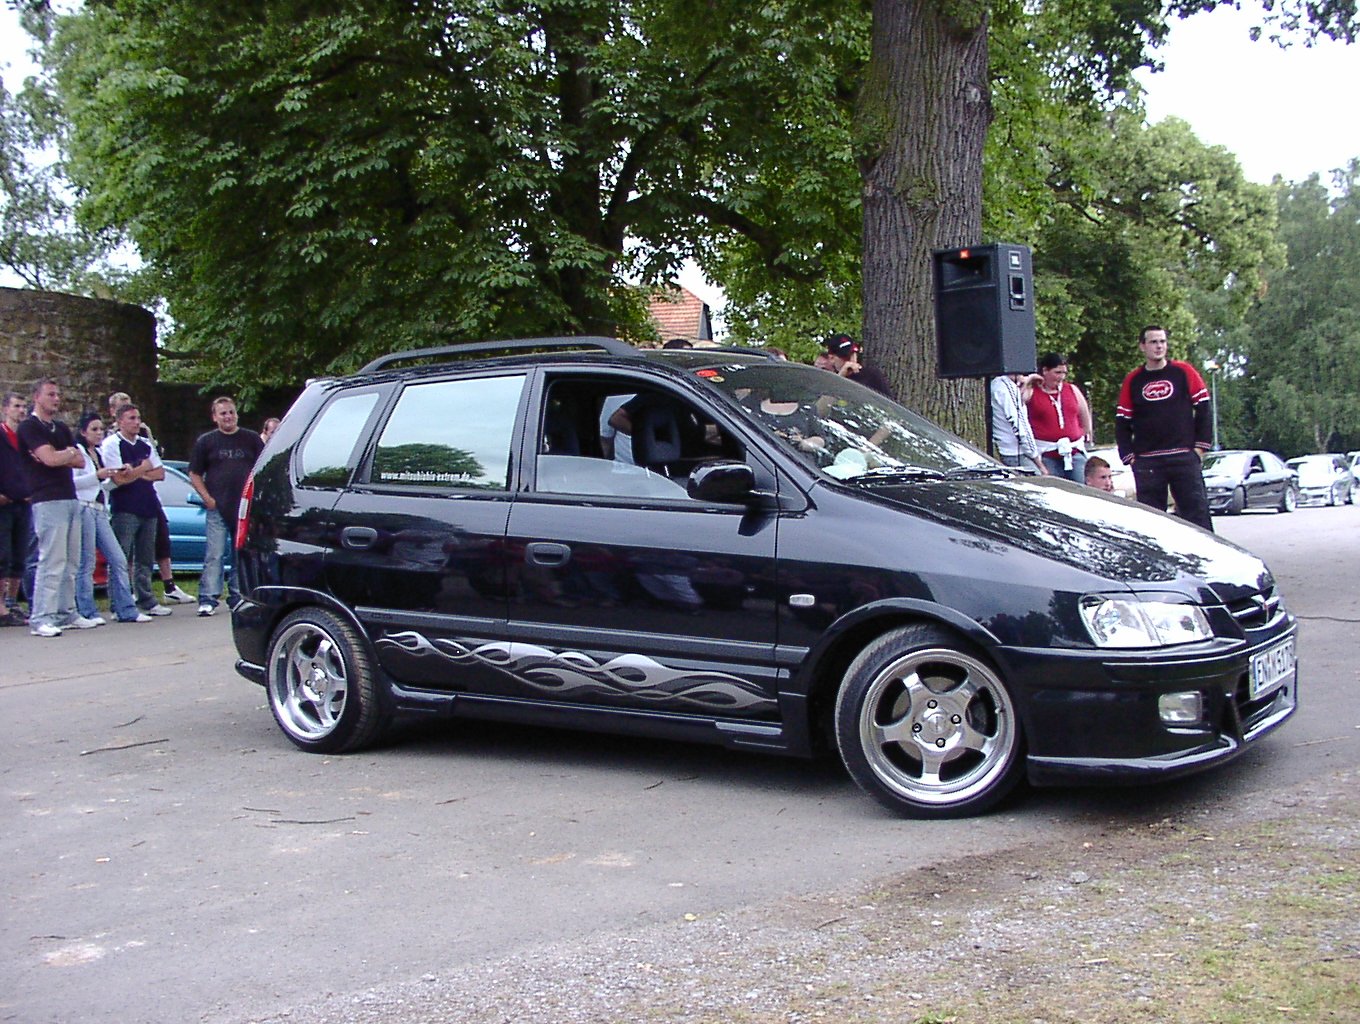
1106 535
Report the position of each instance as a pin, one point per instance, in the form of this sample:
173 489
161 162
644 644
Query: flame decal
574 674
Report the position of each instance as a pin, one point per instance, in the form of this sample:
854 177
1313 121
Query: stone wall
91 347
94 347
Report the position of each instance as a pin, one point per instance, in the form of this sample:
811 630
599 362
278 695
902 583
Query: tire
1238 502
1289 500
927 727
321 684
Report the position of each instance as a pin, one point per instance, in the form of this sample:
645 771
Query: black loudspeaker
984 311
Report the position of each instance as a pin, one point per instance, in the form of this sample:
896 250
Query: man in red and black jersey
1163 424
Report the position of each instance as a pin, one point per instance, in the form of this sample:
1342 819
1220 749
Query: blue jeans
96 532
57 524
137 537
218 563
1054 465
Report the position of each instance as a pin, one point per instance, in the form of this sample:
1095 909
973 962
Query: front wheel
926 728
321 684
1238 502
1289 500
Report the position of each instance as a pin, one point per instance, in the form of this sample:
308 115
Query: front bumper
1093 718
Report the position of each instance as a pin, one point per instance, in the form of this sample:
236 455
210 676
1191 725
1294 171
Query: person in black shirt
1163 425
49 454
219 466
843 353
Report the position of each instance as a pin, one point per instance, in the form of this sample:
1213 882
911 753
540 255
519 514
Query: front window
843 429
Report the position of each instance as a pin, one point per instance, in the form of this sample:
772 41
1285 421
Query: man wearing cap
843 352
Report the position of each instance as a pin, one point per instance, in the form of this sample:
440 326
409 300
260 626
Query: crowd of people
68 496
1163 425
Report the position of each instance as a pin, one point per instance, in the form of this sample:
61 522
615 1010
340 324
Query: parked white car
1323 479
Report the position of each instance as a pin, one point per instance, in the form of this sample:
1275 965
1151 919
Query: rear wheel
927 727
321 684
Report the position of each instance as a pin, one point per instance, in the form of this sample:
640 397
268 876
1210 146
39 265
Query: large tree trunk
924 114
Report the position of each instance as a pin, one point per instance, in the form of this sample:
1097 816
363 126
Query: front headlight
1123 622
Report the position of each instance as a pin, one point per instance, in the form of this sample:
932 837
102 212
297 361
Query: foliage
319 183
1161 229
1303 337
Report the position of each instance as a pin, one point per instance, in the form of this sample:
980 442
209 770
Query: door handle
358 538
547 554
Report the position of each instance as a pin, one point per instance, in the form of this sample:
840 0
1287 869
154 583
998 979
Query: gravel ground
1243 914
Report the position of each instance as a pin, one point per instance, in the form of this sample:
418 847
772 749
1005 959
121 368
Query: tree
319 184
1303 338
1165 230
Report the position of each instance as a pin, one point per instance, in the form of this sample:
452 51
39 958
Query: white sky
1286 112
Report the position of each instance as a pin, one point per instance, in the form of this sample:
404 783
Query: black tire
1289 500
1238 502
927 727
321 684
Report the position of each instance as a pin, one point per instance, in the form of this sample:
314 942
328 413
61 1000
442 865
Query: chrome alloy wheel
937 727
308 681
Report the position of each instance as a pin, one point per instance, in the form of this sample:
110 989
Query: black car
711 545
1239 480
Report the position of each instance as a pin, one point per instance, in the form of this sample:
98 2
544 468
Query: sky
1288 112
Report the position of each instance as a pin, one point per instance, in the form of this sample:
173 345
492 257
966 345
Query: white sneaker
158 609
80 622
46 629
178 596
141 617
207 609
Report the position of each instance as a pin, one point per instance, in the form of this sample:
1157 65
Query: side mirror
195 498
725 481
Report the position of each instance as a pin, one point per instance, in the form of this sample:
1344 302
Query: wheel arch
826 664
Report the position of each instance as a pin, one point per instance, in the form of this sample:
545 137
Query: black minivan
713 545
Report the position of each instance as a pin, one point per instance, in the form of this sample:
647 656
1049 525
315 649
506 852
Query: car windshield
1226 463
1314 472
845 429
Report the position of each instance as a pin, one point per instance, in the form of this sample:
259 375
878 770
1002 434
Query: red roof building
679 313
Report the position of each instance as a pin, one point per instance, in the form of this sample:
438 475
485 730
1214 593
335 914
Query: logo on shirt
1157 390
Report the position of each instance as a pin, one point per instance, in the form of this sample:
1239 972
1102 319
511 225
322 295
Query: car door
625 591
416 545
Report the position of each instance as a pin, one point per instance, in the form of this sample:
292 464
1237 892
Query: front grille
1256 611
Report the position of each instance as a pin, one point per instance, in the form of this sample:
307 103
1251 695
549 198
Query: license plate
1271 668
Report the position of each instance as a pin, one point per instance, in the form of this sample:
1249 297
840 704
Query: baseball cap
841 345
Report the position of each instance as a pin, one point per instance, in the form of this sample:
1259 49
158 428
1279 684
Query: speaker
984 311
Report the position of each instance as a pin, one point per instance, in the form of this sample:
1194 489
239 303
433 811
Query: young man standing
1163 425
174 593
134 503
218 468
50 453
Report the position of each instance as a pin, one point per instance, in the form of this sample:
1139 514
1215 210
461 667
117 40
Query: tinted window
328 455
453 433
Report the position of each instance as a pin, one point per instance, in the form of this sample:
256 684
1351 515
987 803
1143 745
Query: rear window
328 455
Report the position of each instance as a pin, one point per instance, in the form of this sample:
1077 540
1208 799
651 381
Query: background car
1241 479
1353 458
1323 479
1122 474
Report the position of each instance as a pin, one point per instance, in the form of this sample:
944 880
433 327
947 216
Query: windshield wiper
882 473
976 471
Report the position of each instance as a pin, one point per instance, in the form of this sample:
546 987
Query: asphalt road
168 856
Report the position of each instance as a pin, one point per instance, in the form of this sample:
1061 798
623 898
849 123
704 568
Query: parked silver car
1323 479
